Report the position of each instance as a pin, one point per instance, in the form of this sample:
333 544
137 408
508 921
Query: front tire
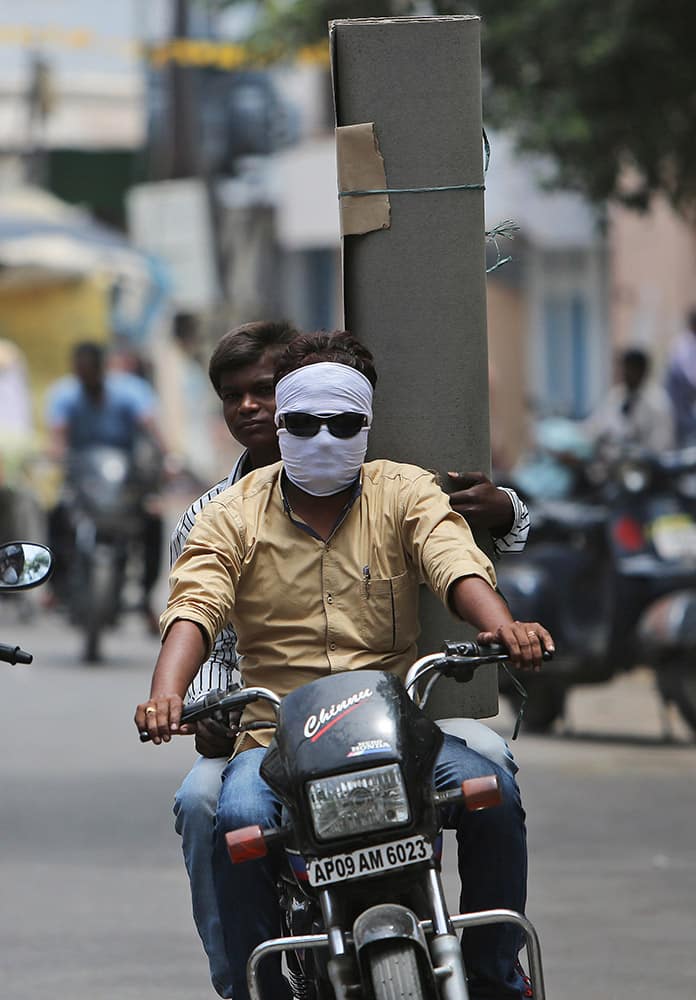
394 971
100 600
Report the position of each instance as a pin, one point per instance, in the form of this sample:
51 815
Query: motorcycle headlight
634 476
359 802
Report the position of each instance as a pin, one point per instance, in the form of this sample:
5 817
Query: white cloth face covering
323 465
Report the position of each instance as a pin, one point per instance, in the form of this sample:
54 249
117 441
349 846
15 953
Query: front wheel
394 971
677 684
99 600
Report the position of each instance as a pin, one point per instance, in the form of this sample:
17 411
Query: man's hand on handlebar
525 642
161 718
482 504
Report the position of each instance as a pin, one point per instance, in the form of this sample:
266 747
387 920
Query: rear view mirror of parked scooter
24 565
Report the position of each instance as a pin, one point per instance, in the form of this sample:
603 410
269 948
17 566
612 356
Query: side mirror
24 565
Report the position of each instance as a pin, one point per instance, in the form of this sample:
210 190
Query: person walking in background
681 381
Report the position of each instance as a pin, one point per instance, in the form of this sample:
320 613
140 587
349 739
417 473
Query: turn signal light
481 793
246 844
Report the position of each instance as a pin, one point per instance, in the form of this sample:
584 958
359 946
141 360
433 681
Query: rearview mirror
24 565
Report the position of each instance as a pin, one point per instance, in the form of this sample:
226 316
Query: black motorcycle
23 565
362 903
614 570
105 501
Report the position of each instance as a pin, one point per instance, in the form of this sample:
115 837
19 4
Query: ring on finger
532 633
150 710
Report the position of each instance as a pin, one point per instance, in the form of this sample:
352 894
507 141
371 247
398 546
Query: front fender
669 623
387 920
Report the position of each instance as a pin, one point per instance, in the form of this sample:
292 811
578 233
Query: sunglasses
306 425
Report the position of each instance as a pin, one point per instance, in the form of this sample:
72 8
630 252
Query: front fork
442 946
445 949
442 950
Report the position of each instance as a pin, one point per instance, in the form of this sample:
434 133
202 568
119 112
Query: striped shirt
516 537
220 669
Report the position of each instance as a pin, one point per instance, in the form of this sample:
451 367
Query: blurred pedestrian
636 411
681 381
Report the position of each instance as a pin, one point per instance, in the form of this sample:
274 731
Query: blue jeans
492 861
194 808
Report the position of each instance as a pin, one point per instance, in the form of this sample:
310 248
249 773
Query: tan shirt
304 608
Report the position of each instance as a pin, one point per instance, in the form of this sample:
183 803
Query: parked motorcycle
362 903
105 498
23 565
614 571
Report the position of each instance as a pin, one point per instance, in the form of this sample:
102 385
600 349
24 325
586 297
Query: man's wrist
501 530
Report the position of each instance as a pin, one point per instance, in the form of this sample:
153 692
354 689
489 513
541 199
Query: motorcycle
23 565
105 499
363 909
614 569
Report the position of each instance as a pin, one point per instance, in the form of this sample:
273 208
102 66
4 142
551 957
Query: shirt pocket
388 616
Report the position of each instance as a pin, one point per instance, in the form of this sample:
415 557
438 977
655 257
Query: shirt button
332 645
329 599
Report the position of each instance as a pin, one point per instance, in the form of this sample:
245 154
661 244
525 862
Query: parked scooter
23 565
105 496
361 898
614 569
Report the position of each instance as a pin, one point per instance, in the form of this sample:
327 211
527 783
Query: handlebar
219 701
460 660
13 654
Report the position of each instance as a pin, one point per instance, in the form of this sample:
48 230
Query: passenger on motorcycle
241 371
319 559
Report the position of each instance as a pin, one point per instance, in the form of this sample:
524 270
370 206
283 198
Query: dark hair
246 344
691 318
636 359
89 350
340 347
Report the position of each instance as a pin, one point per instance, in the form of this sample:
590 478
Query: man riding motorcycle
364 535
91 407
241 371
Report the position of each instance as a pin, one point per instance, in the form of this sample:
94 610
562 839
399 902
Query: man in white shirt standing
636 411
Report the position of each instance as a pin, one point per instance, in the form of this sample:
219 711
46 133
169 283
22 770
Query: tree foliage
607 88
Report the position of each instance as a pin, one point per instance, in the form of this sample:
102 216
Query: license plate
674 537
369 860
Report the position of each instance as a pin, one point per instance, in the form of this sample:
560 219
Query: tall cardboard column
414 261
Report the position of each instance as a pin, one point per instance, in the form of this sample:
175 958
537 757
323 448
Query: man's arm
475 601
213 738
183 650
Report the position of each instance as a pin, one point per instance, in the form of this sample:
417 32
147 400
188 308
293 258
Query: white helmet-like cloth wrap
322 465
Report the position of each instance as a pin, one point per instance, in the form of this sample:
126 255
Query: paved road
94 898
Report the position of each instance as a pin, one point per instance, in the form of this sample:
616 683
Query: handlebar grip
214 701
474 649
14 654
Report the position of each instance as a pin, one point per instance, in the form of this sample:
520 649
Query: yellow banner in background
199 52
